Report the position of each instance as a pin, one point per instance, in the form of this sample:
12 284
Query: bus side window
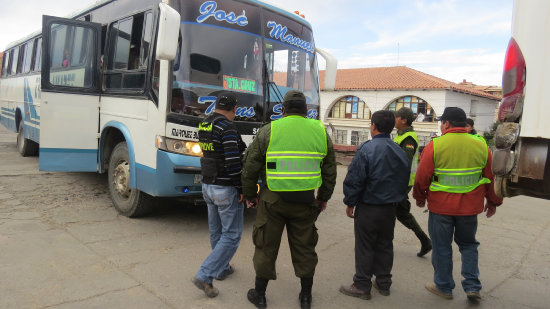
37 57
14 60
6 64
72 56
128 52
27 58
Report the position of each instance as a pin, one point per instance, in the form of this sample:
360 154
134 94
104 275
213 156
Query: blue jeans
225 221
442 229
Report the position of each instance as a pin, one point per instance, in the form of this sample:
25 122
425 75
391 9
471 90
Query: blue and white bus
120 87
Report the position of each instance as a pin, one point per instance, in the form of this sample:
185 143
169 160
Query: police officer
407 139
294 156
222 147
471 130
454 176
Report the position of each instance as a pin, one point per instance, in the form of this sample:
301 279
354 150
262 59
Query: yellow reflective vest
459 159
414 164
297 147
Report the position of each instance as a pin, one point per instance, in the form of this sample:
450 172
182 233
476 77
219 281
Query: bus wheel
25 146
128 202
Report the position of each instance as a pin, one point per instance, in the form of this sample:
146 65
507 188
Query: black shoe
305 301
424 249
256 299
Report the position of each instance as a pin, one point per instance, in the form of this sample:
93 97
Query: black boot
257 295
425 242
305 293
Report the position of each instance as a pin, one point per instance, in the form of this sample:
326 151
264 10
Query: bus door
70 95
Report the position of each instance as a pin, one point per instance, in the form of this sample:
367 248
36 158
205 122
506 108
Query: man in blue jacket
376 182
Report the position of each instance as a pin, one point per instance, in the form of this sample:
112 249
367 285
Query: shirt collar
382 135
407 129
456 130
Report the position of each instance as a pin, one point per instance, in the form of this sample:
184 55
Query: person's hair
457 124
384 121
470 121
295 107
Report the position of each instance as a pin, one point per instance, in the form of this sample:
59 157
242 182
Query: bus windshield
222 48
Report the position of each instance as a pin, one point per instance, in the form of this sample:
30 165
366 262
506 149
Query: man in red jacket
454 176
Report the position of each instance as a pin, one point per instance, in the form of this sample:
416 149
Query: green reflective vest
414 164
459 159
297 146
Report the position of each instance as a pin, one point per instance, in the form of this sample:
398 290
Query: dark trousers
374 227
272 216
403 214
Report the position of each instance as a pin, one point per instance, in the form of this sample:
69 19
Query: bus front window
289 68
227 60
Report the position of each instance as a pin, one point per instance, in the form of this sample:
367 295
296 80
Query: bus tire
128 202
25 146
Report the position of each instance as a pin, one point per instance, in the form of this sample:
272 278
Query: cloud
21 18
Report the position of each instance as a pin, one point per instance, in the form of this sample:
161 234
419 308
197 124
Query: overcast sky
451 39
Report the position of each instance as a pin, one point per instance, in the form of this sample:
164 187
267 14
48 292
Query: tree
490 135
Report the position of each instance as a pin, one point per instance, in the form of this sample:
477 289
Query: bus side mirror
169 29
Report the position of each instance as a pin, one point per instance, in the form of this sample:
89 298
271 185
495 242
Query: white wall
483 109
438 99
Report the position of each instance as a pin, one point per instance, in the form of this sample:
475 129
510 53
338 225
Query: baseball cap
294 98
453 114
405 113
227 100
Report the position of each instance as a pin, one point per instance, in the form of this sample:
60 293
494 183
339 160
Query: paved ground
62 245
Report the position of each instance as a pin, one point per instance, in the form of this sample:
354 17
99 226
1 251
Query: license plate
198 178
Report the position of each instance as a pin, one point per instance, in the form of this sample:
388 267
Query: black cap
294 98
405 113
453 114
226 100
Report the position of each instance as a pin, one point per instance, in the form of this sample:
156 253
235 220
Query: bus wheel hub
121 179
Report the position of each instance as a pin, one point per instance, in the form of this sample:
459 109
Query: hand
350 211
420 203
251 203
323 204
490 209
241 198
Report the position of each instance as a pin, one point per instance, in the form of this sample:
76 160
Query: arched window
421 109
350 107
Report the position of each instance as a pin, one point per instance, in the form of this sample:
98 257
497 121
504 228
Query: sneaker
208 288
474 296
381 291
226 273
258 300
352 290
430 286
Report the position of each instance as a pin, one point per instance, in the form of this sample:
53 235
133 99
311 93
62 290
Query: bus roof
280 10
98 3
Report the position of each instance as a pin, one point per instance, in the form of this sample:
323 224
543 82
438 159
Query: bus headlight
178 146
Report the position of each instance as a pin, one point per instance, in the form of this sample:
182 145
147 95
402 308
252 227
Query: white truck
522 156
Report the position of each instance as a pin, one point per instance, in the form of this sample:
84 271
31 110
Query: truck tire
128 202
25 146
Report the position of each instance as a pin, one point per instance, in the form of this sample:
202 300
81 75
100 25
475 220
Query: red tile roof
393 78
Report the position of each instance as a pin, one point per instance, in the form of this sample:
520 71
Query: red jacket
452 204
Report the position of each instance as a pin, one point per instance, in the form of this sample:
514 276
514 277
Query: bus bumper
175 176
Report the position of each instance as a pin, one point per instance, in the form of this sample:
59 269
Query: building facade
358 93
